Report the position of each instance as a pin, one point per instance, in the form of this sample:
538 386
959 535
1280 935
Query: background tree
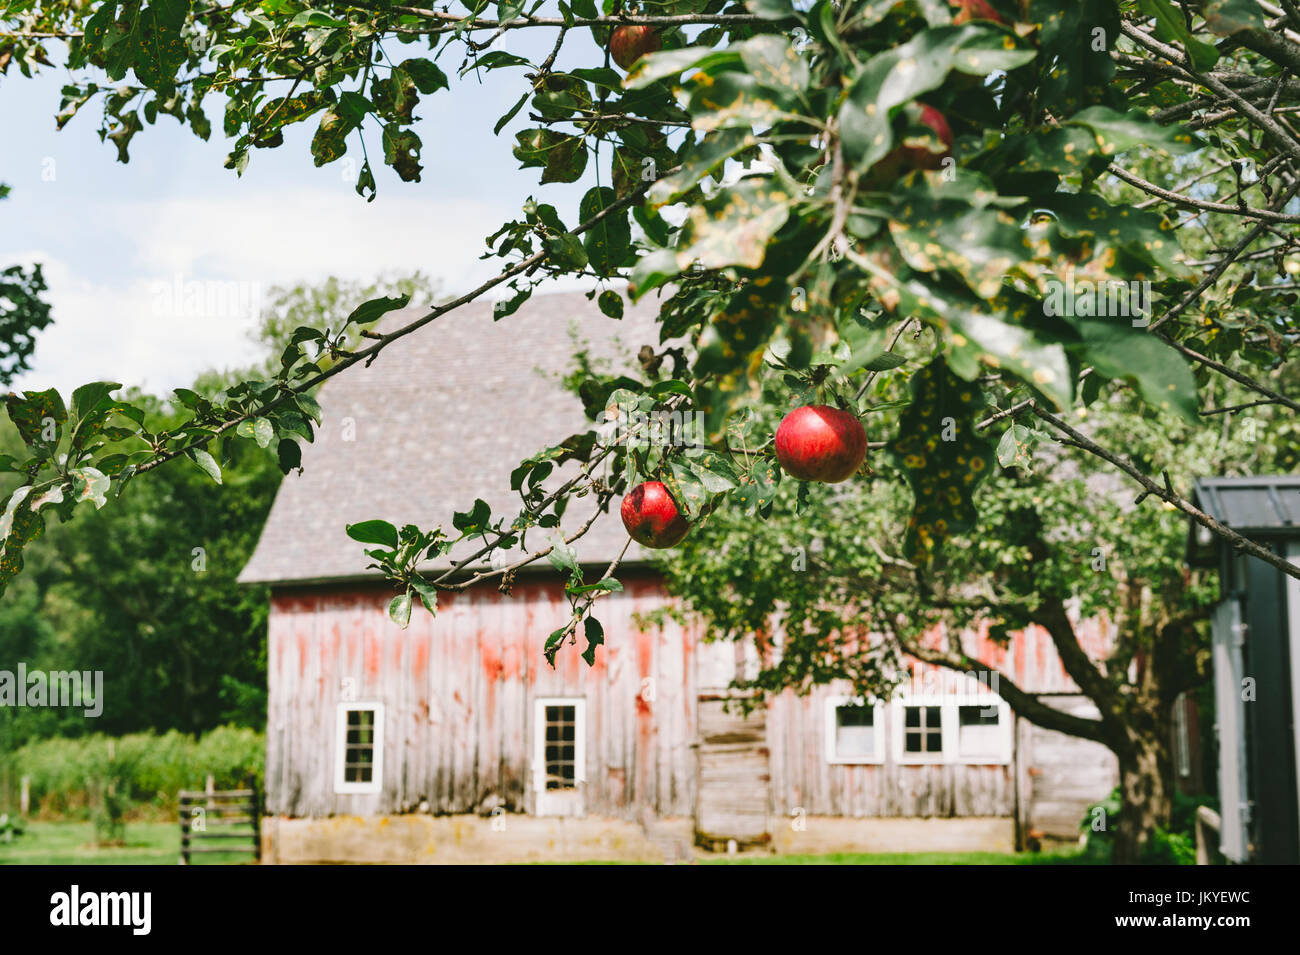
22 314
804 188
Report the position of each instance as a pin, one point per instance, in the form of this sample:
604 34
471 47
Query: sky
117 242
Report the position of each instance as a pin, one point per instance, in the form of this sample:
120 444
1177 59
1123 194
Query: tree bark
1146 792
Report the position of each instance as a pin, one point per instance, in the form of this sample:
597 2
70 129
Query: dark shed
1256 640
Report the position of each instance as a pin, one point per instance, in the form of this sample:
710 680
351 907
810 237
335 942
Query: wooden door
732 800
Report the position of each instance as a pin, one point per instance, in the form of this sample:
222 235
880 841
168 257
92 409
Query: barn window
560 744
979 732
854 731
359 748
971 725
922 729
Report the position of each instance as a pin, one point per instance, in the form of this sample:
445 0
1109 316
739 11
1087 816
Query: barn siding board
459 689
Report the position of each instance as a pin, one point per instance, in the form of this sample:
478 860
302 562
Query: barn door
559 755
732 774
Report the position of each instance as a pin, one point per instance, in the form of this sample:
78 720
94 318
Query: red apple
918 157
974 10
651 516
627 44
902 159
820 443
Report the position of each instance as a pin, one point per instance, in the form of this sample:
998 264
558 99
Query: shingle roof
1254 504
1257 507
440 418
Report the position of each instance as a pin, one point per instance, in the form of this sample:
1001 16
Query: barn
453 740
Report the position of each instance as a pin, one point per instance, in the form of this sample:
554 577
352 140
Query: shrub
108 778
1177 846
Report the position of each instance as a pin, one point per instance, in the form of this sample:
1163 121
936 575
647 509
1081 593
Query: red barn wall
458 690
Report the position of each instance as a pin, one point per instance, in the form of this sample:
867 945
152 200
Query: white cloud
188 275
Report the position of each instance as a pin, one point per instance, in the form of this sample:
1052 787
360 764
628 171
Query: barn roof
440 418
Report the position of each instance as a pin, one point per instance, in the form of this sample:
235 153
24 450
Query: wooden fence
213 821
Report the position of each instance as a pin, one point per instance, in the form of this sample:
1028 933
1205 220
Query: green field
71 843
158 843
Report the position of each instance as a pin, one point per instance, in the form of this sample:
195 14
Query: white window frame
579 705
376 784
1005 724
950 728
833 704
947 729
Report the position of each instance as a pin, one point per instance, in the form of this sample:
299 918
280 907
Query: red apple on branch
918 157
629 43
651 516
820 443
902 159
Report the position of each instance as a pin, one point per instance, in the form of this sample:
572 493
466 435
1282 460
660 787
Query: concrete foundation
424 839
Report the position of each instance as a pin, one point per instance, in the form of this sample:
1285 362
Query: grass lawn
70 843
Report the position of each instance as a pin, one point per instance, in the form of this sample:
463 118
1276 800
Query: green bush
103 778
1177 846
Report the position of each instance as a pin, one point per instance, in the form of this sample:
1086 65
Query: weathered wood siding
458 691
803 780
733 801
1066 774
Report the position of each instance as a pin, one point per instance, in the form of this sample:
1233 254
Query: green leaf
651 271
609 242
563 556
428 593
566 250
509 114
37 415
263 431
473 521
606 585
1117 132
734 100
595 634
942 457
426 75
658 66
709 154
561 157
1170 26
330 141
399 609
377 308
1162 376
734 226
88 398
288 455
374 532
89 484
773 62
162 50
610 304
1226 17
883 362
309 406
206 463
